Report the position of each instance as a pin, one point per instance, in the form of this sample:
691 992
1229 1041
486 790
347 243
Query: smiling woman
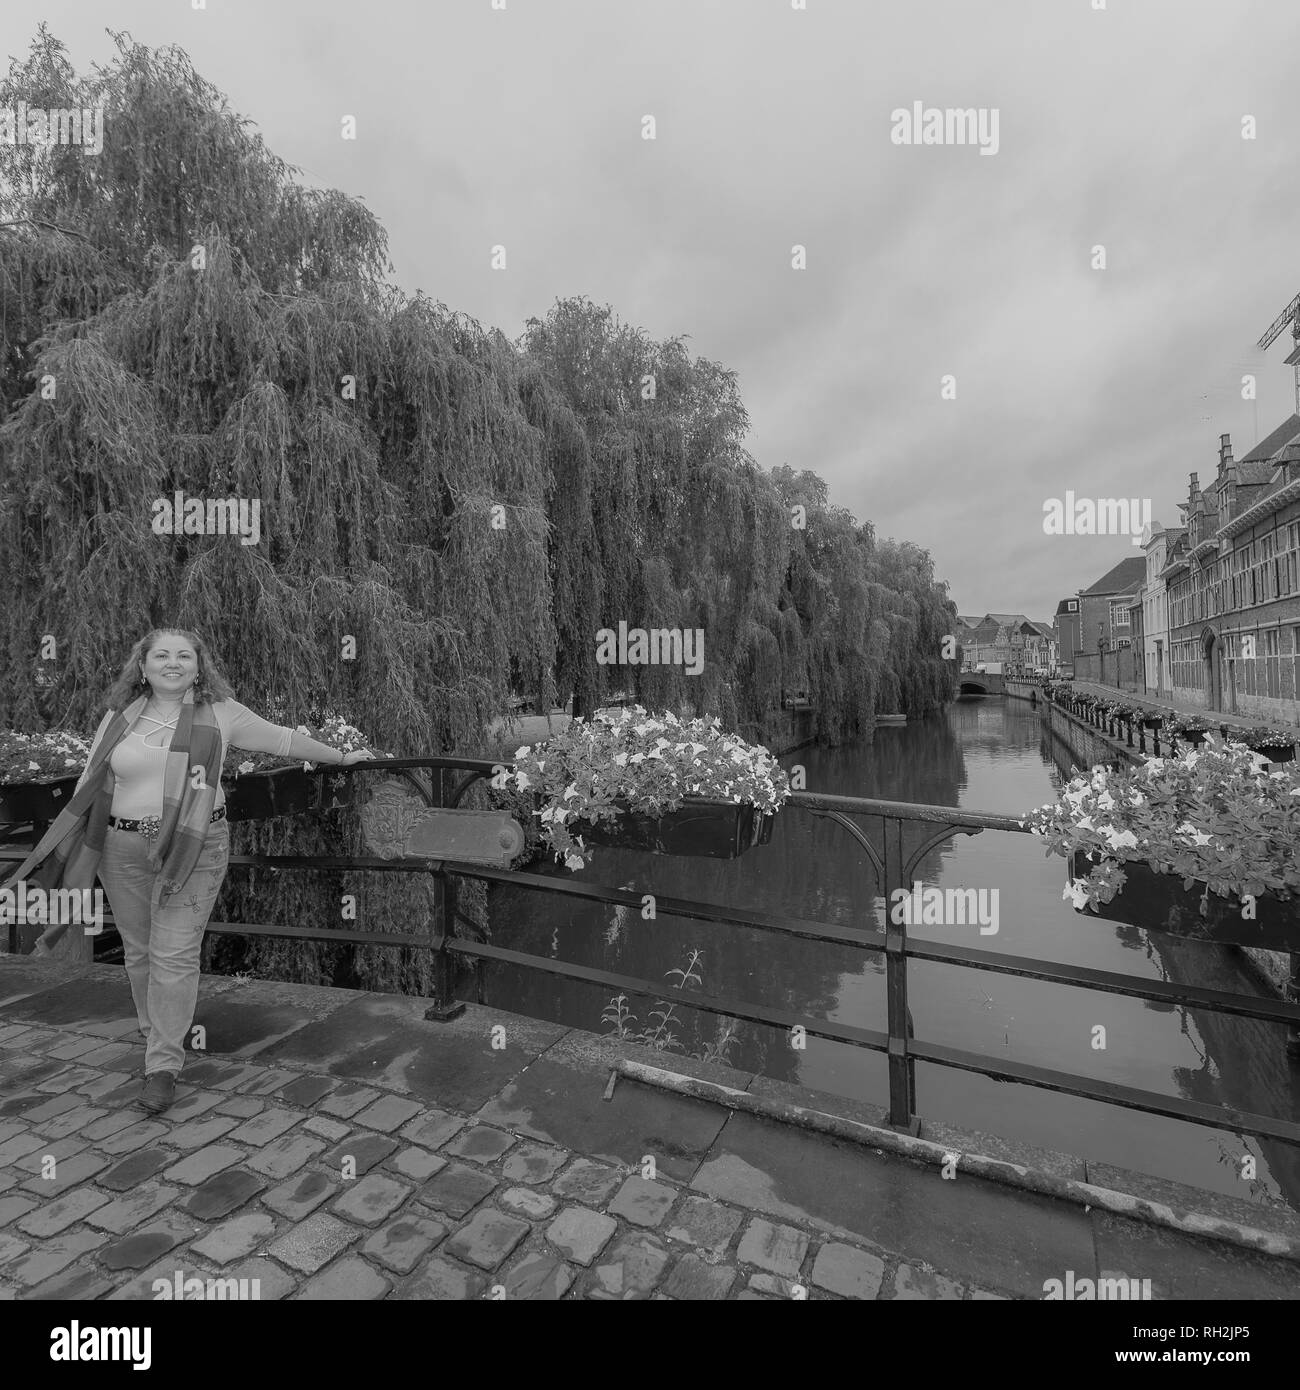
148 817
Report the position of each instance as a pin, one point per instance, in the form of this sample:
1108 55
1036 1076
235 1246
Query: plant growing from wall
664 1013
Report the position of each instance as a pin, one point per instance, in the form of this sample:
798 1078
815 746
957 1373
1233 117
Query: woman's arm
300 746
250 731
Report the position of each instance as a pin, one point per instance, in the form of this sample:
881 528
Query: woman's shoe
159 1092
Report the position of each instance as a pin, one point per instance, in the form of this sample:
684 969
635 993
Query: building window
1251 683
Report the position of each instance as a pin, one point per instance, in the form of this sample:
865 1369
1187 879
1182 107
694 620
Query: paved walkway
343 1147
1215 717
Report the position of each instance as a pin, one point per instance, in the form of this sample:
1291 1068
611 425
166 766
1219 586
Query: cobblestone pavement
319 1187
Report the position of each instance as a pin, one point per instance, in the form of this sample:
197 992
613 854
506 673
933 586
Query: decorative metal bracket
397 826
923 849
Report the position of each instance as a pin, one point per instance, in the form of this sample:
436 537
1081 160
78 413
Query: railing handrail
894 870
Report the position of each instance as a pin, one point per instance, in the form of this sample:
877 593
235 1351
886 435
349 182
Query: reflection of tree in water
812 870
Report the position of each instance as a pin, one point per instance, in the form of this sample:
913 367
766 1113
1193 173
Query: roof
1125 577
1272 443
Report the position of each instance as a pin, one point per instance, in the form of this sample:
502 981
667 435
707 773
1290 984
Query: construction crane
1291 315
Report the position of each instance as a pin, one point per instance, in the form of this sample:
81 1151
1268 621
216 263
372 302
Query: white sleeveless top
140 758
139 762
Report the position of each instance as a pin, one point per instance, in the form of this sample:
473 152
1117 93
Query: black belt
150 825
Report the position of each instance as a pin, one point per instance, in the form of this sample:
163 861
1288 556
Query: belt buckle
150 827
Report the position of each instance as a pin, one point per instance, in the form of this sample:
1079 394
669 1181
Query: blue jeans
162 945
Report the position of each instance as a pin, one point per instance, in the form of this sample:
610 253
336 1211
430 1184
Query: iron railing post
902 1069
443 1005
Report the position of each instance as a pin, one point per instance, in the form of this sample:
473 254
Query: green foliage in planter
333 730
58 753
1213 816
1180 724
1262 736
41 757
630 761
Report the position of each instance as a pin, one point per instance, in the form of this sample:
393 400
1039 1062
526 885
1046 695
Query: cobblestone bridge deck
487 1163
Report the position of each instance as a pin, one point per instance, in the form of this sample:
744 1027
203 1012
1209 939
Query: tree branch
37 222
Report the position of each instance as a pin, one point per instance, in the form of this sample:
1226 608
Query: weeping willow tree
684 529
254 354
178 314
921 618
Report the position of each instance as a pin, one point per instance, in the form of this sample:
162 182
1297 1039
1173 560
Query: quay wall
1086 747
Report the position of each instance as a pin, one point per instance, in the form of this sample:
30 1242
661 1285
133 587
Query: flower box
630 779
1151 721
1159 902
35 801
1216 817
1280 755
701 827
286 791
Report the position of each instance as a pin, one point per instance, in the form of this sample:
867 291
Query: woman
148 816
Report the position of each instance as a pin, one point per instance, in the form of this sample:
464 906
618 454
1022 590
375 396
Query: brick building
1103 650
1066 623
1157 543
1019 643
1233 591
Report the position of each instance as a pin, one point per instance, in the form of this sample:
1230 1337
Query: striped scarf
70 850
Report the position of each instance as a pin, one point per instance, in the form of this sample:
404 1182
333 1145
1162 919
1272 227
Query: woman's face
171 665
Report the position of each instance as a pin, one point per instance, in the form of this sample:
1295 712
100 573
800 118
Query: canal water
990 755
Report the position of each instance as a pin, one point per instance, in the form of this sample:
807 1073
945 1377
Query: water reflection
989 755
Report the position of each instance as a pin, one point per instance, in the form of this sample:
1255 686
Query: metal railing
1091 709
894 864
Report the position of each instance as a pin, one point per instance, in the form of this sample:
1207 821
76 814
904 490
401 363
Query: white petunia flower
1077 892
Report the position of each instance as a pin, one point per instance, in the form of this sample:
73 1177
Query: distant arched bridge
974 683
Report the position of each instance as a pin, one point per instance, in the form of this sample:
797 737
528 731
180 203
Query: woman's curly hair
209 685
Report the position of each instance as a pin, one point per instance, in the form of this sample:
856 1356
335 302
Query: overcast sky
1120 127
